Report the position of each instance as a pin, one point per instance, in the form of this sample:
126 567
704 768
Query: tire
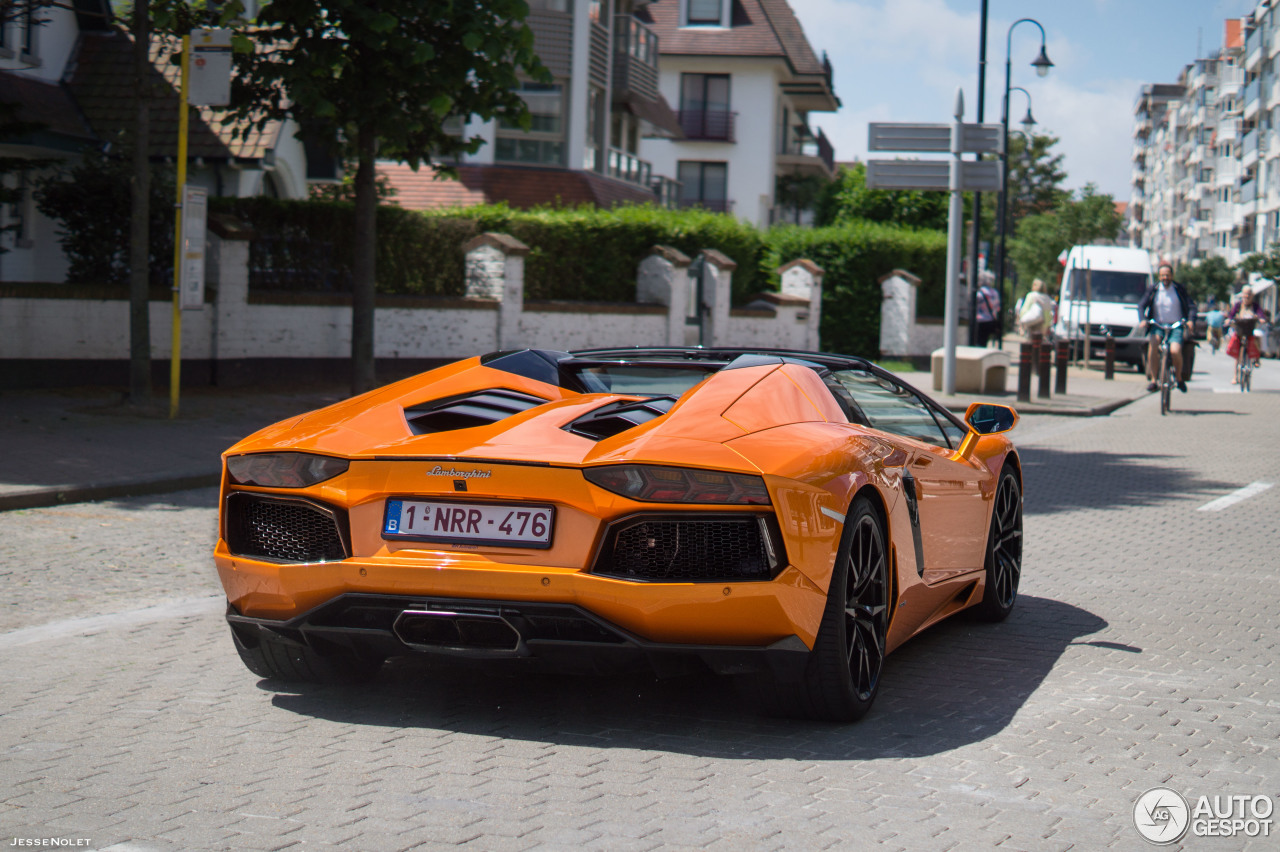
1166 386
276 659
842 674
1004 550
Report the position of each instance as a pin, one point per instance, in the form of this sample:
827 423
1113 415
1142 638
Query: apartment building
1206 154
745 80
584 142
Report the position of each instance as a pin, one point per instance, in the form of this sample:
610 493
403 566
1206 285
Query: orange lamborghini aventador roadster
790 516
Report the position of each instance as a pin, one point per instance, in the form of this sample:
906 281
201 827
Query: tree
1035 176
1086 217
847 199
1213 276
1267 265
384 77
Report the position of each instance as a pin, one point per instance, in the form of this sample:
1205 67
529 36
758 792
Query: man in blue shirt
1166 302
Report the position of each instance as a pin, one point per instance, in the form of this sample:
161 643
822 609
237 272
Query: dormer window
706 13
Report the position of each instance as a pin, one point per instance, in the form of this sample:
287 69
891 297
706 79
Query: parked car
793 516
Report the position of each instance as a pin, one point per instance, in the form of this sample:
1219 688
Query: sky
902 60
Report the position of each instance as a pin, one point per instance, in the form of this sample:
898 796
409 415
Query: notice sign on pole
210 82
195 207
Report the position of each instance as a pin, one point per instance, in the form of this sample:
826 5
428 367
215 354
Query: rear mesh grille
669 550
282 529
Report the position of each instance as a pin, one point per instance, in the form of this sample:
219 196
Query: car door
952 516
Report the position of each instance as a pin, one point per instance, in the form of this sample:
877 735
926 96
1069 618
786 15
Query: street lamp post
1002 207
972 278
1042 66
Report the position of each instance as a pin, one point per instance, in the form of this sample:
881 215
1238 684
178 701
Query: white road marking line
1235 497
832 514
94 623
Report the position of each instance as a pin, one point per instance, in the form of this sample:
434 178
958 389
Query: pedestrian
1166 302
1035 311
988 324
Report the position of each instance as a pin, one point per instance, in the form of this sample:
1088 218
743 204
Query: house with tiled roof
744 80
588 122
70 77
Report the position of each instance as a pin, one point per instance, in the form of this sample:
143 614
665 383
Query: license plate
505 525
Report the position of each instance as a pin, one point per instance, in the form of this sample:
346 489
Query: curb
1100 410
56 495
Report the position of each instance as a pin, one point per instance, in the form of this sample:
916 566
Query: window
704 107
543 143
549 5
705 13
704 185
892 408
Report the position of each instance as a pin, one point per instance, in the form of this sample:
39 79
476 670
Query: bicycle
1244 328
1167 379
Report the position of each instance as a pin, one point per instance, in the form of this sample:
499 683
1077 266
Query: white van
1101 288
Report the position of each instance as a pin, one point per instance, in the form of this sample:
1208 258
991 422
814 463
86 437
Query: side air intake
617 417
479 408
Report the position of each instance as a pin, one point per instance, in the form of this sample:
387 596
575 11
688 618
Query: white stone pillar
803 278
227 267
495 270
897 312
663 278
717 289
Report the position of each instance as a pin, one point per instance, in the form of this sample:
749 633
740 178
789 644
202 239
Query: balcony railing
1252 92
1250 144
715 125
629 167
635 59
666 192
1248 192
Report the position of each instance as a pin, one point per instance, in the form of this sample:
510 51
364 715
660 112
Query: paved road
1143 651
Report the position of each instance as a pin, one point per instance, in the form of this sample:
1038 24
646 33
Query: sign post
206 81
955 176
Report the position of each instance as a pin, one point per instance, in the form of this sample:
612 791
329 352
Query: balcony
1248 192
1252 98
666 192
630 168
1249 149
708 125
635 58
804 153
1253 48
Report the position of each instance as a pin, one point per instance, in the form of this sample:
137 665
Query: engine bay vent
478 408
617 417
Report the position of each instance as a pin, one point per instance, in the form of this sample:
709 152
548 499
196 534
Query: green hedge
589 254
583 254
854 258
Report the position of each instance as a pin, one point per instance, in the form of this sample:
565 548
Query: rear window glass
641 381
1108 286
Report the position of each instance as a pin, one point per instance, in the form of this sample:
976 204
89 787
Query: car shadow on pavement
958 683
1101 480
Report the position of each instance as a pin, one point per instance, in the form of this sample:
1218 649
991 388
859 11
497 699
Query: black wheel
1166 383
842 674
1004 550
276 659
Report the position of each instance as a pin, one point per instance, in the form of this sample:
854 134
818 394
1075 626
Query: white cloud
902 60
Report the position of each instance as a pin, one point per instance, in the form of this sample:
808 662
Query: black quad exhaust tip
442 630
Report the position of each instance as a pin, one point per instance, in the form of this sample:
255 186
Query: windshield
1107 286
642 381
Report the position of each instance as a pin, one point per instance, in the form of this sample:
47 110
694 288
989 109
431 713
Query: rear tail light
283 470
656 484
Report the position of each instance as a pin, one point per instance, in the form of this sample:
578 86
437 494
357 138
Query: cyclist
1166 302
1246 309
1214 319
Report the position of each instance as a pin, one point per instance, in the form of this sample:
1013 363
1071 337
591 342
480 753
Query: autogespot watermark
1165 816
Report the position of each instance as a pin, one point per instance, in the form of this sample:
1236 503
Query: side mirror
987 418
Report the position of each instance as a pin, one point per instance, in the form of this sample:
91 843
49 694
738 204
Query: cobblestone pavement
1143 652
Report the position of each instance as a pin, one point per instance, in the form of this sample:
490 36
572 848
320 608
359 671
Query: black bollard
1110 371
1064 351
1045 369
1024 373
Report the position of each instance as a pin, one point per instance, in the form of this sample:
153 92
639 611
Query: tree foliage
1212 276
385 77
1035 176
1087 216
